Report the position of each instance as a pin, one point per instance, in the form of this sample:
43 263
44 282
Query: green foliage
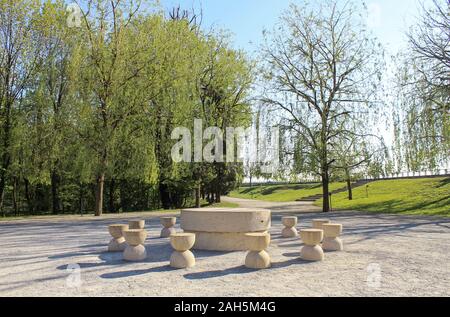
426 196
101 101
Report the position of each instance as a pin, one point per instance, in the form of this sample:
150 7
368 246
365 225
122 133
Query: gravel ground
384 255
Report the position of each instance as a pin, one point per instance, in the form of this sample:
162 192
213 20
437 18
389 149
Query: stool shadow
219 273
123 274
291 245
242 270
155 253
292 254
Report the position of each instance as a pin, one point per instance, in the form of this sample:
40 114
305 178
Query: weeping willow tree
322 70
422 117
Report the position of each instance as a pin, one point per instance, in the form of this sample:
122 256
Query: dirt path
294 206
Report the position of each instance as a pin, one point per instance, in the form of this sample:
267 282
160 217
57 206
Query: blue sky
247 18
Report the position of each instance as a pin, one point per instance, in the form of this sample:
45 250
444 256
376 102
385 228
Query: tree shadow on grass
398 207
443 182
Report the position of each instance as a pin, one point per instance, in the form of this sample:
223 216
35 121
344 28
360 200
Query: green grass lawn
424 196
281 193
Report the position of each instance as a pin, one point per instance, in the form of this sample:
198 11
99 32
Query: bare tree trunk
349 185
56 201
28 196
325 191
218 196
99 194
2 192
197 196
14 196
112 189
80 198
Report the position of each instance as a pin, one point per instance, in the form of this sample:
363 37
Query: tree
422 94
430 44
223 89
352 155
20 54
111 58
54 92
322 69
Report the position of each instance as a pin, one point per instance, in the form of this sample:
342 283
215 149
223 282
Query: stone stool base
332 244
117 245
134 253
166 232
257 260
311 253
289 232
182 260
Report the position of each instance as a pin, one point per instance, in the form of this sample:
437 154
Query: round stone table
224 229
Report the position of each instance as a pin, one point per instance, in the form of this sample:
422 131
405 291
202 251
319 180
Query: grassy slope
281 193
426 196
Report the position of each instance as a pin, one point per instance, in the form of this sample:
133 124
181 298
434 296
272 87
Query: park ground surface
385 255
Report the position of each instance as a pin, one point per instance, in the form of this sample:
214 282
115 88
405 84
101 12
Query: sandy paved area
385 255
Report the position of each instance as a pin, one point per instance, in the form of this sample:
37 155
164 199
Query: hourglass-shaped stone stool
136 224
168 223
117 243
331 240
257 257
311 251
135 251
317 223
182 257
289 230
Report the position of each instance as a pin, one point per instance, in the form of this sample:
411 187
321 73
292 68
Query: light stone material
182 260
237 220
135 253
311 237
331 241
220 241
136 224
117 243
168 223
257 260
257 257
182 257
311 251
117 230
257 241
135 250
135 236
332 230
317 223
289 230
222 229
182 241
